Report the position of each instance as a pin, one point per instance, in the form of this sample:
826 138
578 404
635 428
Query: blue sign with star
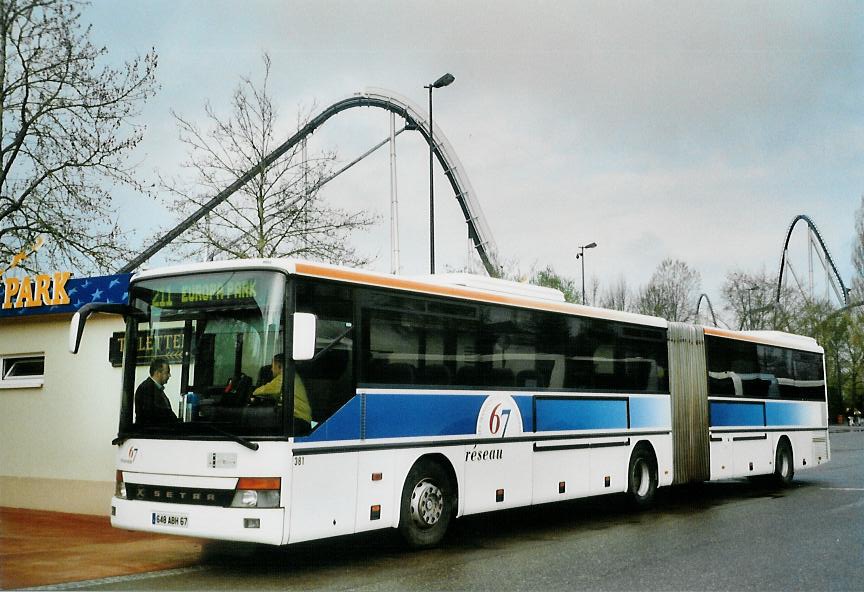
80 291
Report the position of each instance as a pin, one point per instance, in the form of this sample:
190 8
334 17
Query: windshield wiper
233 437
176 428
138 429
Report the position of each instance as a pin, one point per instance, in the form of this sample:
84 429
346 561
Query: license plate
164 519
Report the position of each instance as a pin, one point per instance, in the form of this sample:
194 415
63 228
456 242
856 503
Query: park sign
56 292
59 293
42 290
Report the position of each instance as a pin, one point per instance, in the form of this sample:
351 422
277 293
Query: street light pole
441 82
581 255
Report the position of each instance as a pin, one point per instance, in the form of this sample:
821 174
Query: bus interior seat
529 378
399 373
437 374
240 392
375 370
501 377
467 376
638 372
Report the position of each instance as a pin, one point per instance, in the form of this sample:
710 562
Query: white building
58 411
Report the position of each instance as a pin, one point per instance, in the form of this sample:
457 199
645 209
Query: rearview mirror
76 327
304 336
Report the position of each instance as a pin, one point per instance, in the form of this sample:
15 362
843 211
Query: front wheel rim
427 504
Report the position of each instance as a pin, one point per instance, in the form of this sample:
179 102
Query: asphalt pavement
733 535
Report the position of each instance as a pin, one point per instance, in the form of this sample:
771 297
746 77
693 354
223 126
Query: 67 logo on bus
499 416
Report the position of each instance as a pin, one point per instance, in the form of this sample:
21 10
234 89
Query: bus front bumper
229 524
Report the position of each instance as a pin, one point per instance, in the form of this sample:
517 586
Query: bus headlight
257 492
248 498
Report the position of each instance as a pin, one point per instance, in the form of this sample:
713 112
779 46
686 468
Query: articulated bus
405 403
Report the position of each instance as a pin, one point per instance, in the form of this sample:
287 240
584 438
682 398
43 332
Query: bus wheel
642 478
427 505
784 467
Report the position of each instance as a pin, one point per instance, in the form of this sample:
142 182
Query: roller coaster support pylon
843 292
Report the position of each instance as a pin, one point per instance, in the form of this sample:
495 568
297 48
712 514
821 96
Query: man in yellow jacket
302 410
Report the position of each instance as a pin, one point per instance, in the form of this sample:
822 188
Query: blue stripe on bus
650 412
526 409
744 414
580 414
400 416
342 425
420 415
785 413
767 414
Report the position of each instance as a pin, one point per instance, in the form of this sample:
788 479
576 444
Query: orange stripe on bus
454 291
745 337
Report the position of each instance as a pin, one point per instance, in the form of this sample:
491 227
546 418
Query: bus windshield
201 357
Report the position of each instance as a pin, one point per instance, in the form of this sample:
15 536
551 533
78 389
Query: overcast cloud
657 129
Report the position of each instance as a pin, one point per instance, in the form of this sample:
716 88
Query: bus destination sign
200 293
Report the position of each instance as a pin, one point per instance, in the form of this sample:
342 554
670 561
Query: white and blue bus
405 403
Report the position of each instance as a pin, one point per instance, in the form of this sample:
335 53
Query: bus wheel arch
428 501
642 475
784 462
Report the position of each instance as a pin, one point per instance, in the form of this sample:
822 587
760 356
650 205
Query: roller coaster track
710 308
478 229
843 292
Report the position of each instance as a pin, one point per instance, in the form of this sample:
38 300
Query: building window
22 371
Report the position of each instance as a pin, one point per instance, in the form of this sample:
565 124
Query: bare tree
749 298
280 212
618 296
671 293
65 135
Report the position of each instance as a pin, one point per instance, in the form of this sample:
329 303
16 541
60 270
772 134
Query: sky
687 130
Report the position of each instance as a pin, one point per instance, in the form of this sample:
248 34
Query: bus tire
642 478
784 466
428 502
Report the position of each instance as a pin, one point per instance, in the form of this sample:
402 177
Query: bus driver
302 410
151 404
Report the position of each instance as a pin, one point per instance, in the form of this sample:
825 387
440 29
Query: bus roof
778 338
481 289
467 287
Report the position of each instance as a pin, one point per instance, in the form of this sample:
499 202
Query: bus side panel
753 454
560 474
809 449
379 487
663 448
610 459
497 476
323 495
821 447
721 456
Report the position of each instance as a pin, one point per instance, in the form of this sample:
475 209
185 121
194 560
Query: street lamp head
443 81
591 246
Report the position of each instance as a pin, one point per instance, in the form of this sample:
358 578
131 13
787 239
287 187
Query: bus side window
329 380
